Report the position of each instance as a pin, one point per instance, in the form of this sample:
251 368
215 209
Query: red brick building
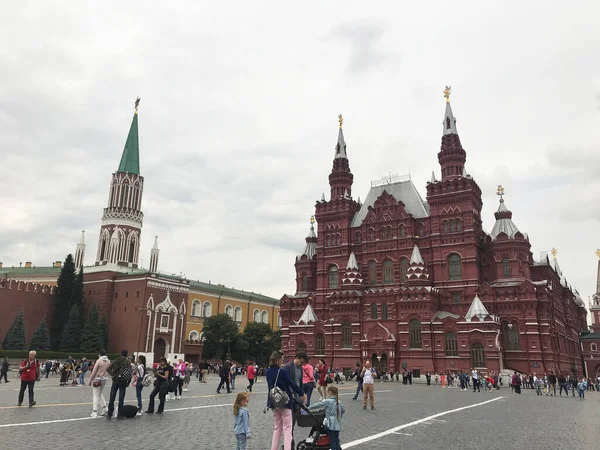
590 342
420 284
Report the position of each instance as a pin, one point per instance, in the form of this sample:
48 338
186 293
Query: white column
181 333
149 314
154 331
174 332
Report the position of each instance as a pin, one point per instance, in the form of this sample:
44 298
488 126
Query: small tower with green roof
119 241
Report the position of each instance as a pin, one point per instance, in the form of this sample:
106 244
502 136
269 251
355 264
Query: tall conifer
104 332
15 336
41 337
63 301
70 340
91 340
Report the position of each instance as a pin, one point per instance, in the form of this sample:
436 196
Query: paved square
415 416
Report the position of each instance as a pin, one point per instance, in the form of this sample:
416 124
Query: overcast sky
238 121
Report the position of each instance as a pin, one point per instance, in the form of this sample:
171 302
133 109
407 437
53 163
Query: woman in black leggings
161 386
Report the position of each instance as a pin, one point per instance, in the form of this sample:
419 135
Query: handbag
97 382
279 398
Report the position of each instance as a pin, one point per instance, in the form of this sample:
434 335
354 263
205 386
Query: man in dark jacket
358 374
552 384
121 373
294 371
4 370
225 374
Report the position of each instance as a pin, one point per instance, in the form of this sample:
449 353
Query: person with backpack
29 371
138 380
121 373
279 399
98 381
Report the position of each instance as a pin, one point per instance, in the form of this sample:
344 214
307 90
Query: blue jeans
138 392
240 443
82 378
334 439
358 389
113 395
232 381
308 388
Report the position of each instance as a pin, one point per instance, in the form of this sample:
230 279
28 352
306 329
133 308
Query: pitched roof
352 264
416 256
504 223
308 316
449 120
310 249
404 191
478 309
340 147
130 160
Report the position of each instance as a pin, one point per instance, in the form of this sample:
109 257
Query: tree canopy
41 337
71 337
63 300
92 338
14 339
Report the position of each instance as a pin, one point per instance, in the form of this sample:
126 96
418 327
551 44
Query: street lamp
228 340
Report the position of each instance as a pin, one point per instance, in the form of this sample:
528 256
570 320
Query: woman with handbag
282 413
98 381
161 386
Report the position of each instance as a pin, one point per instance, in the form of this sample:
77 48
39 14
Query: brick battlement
26 286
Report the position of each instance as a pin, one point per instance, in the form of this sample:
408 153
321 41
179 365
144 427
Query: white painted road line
394 430
12 425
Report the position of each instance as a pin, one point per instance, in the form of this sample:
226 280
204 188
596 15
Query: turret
451 157
340 179
80 251
154 256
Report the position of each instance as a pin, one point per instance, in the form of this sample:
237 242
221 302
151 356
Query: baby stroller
317 438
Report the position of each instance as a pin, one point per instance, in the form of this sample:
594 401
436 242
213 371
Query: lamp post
228 340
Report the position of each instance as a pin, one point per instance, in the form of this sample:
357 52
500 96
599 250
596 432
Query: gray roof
340 148
443 314
352 264
476 309
310 249
404 191
504 224
416 256
308 316
449 119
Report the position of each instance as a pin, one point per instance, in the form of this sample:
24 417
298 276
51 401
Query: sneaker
354 398
33 403
140 413
20 404
185 390
94 414
372 407
180 397
247 390
149 412
104 412
365 407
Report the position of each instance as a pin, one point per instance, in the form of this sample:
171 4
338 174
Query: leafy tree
217 330
63 301
41 337
262 341
92 338
15 336
103 329
70 340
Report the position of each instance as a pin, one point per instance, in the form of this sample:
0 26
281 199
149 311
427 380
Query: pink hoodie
101 367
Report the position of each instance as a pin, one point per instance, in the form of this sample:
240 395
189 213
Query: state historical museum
419 285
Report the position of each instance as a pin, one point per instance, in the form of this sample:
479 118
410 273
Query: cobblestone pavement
403 418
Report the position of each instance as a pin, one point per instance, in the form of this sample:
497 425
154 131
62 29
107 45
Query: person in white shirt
475 380
368 375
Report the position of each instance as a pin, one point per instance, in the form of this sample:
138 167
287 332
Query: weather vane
447 93
500 191
598 253
312 220
341 120
137 104
554 252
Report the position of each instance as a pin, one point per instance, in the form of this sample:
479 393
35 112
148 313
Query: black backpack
125 375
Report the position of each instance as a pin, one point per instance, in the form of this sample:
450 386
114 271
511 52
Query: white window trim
229 306
254 315
238 308
196 301
190 335
161 322
203 304
262 315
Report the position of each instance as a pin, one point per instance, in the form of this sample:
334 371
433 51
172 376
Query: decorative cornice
168 287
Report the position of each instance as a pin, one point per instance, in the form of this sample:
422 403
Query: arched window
256 315
384 311
103 250
304 283
358 238
452 226
372 272
320 345
333 277
451 344
454 267
401 231
477 355
506 267
458 225
593 347
207 309
403 269
237 314
371 234
265 317
388 272
374 311
131 251
511 336
421 230
301 347
229 311
415 333
279 320
346 335
124 193
196 308
194 336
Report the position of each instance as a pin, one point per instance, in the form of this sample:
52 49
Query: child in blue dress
334 411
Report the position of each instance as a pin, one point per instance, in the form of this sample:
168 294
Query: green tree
63 301
78 292
41 337
15 336
91 340
217 331
70 340
104 332
262 341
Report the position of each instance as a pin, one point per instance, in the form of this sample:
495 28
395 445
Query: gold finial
554 252
500 191
598 253
137 104
340 120
447 93
312 220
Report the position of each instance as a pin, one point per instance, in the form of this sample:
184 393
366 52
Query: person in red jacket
29 372
251 373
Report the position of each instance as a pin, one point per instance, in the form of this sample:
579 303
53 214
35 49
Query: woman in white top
368 375
140 373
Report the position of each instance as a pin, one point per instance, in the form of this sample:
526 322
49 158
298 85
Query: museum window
194 336
207 309
196 308
346 335
593 347
372 272
451 344
506 267
458 225
454 267
384 311
237 314
456 298
358 238
401 231
304 283
279 320
127 294
131 251
388 272
414 327
301 348
320 345
164 321
229 310
374 311
420 230
328 240
371 234
446 227
265 317
403 269
477 355
333 277
256 315
511 336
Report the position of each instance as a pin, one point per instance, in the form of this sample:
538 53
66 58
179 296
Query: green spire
130 161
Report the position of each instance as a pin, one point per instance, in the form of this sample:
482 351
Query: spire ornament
500 192
340 120
554 252
598 253
312 220
137 104
447 93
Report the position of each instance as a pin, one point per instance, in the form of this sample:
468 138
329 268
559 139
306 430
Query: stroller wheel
304 446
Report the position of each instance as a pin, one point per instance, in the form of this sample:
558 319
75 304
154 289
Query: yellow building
206 299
